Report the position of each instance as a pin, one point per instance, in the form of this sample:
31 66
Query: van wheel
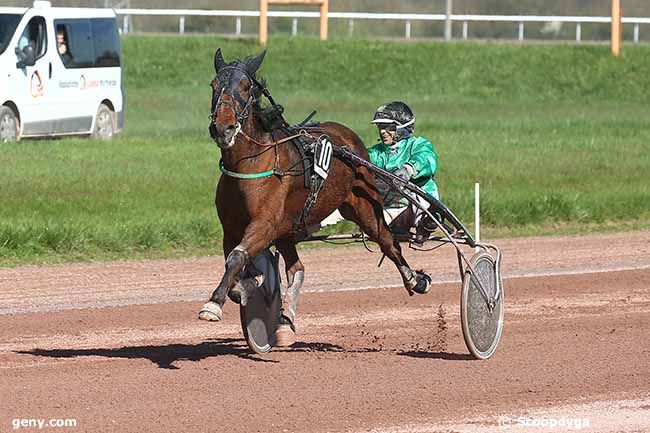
8 125
104 123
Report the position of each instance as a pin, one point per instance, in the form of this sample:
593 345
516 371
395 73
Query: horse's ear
219 62
254 64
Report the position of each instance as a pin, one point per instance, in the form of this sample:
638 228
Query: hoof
211 312
285 336
423 284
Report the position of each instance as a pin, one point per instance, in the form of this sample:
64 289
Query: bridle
242 116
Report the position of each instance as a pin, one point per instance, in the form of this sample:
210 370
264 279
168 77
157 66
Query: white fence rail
406 18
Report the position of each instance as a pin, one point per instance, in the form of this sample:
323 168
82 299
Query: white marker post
477 214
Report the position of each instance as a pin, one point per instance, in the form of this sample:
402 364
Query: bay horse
262 193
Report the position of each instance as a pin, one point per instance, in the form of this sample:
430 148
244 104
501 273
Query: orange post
323 20
264 10
616 27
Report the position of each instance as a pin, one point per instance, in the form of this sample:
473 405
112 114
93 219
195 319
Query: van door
72 71
31 79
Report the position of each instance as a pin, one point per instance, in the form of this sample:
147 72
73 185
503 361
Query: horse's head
234 92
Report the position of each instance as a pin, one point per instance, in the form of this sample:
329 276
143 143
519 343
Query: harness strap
276 169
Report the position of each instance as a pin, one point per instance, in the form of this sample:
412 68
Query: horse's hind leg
286 333
367 212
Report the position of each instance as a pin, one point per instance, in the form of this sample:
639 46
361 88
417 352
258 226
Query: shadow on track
438 355
166 355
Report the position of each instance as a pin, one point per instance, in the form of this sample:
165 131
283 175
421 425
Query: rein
276 142
275 170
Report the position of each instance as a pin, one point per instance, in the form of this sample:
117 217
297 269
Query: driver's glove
383 186
405 172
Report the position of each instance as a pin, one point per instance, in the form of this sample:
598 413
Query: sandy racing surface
118 348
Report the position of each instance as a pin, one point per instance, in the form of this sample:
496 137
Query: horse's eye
214 83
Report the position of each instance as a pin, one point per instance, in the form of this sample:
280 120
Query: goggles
388 127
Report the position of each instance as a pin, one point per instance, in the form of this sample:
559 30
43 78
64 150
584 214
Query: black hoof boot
235 294
423 230
245 290
423 283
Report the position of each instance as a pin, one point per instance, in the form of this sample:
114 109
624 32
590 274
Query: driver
407 156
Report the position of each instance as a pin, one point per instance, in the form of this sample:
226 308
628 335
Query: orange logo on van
87 84
36 85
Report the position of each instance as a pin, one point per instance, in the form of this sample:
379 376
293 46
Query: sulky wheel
261 314
482 325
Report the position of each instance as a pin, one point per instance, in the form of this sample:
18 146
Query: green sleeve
423 158
377 155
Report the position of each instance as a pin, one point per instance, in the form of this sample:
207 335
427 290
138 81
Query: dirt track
117 347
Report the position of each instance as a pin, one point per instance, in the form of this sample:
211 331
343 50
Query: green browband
227 172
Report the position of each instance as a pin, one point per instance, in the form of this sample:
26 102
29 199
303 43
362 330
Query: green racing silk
418 152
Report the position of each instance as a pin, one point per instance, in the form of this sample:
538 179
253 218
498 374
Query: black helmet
398 113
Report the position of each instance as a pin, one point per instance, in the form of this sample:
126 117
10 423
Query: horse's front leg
235 263
257 237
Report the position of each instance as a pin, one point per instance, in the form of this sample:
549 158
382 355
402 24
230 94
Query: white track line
506 276
613 416
147 299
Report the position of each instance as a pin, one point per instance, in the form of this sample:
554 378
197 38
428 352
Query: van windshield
8 24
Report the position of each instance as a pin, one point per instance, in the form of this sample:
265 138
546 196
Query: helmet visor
385 126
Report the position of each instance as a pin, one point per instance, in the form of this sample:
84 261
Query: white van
60 72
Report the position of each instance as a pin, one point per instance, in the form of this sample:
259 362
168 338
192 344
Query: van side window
79 43
8 24
106 41
90 42
34 35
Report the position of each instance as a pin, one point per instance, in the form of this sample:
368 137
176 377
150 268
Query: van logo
68 84
87 84
36 85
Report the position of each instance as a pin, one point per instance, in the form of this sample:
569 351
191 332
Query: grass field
557 135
